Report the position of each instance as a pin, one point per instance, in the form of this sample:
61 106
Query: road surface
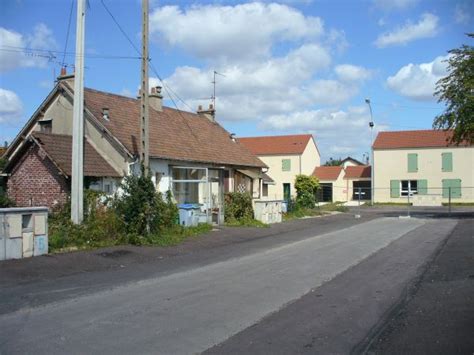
331 289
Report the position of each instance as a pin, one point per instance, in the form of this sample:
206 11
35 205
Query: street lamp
371 125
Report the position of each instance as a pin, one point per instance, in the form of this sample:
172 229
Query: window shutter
447 162
455 185
412 163
422 186
394 188
285 164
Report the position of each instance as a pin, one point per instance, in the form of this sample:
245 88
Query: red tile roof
327 172
357 172
173 134
59 149
412 139
271 145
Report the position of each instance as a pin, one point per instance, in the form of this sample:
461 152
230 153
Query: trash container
188 214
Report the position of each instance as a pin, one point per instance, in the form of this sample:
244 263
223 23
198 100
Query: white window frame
410 190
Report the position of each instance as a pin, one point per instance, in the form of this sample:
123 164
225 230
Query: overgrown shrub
5 201
237 207
306 187
143 210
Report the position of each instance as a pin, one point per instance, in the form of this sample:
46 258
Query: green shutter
422 187
447 162
394 188
454 185
412 162
286 164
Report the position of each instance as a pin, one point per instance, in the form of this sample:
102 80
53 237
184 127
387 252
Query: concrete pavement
192 310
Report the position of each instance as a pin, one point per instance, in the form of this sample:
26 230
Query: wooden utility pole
144 108
77 176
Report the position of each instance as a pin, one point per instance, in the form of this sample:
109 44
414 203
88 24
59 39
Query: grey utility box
268 211
23 232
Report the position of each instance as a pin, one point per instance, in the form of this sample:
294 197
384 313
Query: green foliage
238 206
5 201
457 92
333 162
334 207
246 222
306 187
143 210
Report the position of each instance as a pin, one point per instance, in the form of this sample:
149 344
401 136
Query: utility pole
77 176
144 107
371 125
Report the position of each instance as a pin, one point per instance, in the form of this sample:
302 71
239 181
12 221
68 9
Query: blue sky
290 67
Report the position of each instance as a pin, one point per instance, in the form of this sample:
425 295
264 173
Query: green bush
306 187
238 206
5 201
144 210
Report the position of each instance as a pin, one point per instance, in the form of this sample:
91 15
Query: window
412 159
409 187
286 165
446 162
46 126
264 190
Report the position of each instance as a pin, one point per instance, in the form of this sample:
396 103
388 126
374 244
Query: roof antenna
214 84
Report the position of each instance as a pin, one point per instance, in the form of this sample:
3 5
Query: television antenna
214 84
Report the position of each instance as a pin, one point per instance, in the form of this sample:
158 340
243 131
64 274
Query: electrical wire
30 51
68 30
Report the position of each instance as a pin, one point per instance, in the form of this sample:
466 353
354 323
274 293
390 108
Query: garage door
365 190
325 192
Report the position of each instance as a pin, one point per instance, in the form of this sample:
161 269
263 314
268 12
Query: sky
287 67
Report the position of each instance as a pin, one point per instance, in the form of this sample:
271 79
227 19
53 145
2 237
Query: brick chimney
210 113
65 77
156 99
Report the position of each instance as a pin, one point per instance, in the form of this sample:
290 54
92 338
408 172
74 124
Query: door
287 192
324 193
365 190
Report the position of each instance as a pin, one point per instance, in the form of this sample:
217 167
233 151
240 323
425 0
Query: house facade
191 155
343 183
286 157
423 166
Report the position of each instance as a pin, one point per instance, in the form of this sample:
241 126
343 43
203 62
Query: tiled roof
352 160
327 172
292 144
59 148
412 139
173 134
357 172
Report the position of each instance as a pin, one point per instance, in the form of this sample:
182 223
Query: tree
457 92
306 187
333 162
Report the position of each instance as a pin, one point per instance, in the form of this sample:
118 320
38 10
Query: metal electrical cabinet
268 211
23 232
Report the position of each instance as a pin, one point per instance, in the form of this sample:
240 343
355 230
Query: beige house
191 155
423 167
286 157
343 183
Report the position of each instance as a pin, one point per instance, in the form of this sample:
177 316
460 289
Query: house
422 165
286 157
190 153
349 161
343 184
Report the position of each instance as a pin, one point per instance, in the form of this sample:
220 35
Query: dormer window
46 125
105 114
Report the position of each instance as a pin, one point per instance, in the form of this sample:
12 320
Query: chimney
65 77
210 113
156 99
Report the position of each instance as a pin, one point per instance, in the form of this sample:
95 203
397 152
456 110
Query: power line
396 105
68 29
28 50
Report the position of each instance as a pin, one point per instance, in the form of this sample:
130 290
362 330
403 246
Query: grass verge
246 222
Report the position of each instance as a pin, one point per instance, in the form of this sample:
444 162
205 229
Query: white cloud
418 81
463 13
232 33
426 27
348 72
11 107
388 5
344 132
13 56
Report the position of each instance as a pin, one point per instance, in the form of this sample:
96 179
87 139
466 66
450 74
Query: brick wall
35 181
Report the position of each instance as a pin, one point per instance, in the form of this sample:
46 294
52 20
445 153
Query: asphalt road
244 303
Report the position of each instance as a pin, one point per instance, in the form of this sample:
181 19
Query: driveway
223 299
